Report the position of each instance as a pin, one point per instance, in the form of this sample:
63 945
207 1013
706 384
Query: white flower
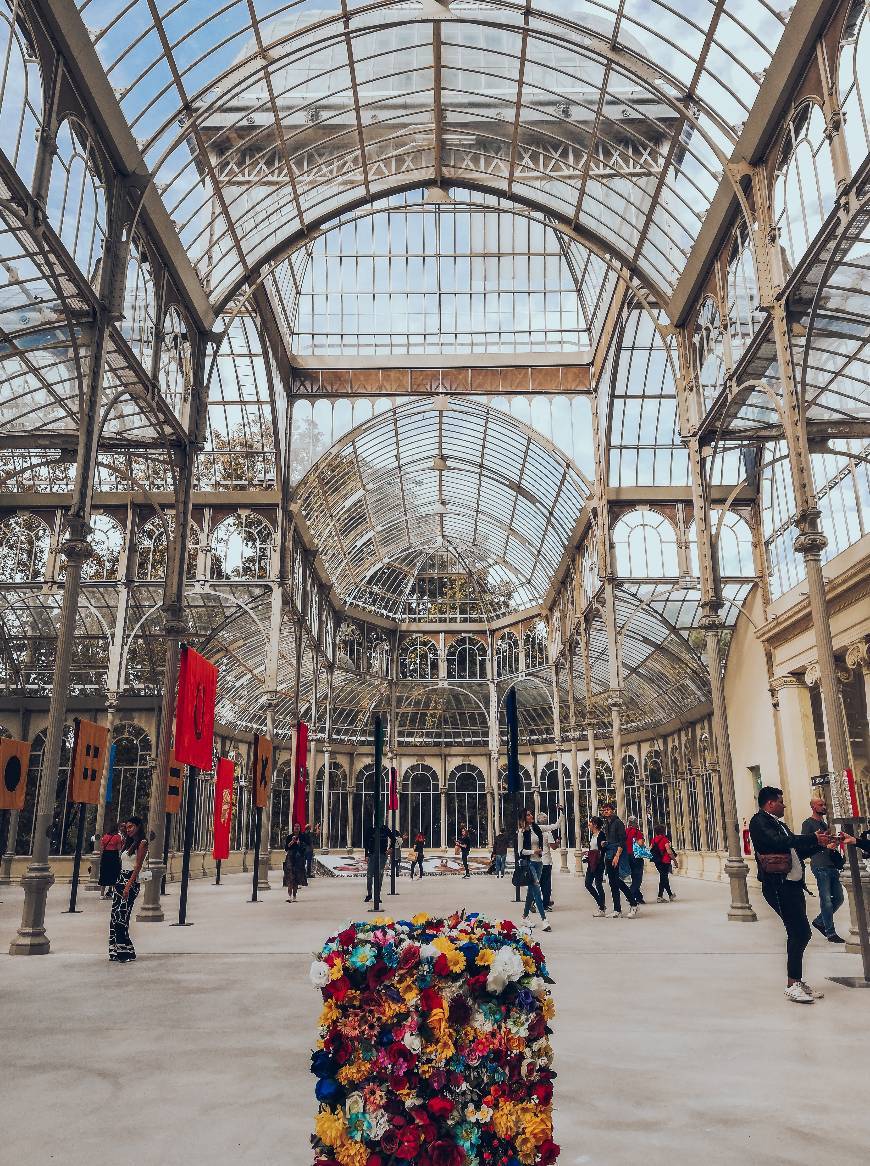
411 1041
429 951
319 974
506 967
380 1124
354 1104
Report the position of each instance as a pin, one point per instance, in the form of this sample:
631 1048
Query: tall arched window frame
535 654
175 372
742 292
646 546
854 83
241 547
804 187
379 654
349 645
466 659
107 544
709 351
420 804
603 782
735 546
139 325
631 786
333 818
77 199
507 655
131 754
657 803
466 803
151 552
20 91
418 659
24 546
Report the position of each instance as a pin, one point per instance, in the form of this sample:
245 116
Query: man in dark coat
784 891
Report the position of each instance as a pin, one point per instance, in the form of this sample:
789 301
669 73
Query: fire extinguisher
747 848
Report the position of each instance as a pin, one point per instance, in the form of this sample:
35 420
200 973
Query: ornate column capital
810 541
858 655
76 549
174 621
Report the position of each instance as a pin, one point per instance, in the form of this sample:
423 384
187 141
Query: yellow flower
539 1125
337 970
350 1153
329 1014
529 964
504 1120
330 1127
526 1148
454 957
549 1008
420 917
485 957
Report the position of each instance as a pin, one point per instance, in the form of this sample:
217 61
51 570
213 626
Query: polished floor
673 1041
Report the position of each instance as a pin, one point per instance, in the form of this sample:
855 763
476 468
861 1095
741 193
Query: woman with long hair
133 850
110 859
530 847
294 862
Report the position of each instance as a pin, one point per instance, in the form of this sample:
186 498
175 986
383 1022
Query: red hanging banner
393 801
194 712
300 800
223 808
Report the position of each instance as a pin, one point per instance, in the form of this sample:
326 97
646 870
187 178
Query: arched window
349 645
735 546
742 292
709 351
140 311
606 790
107 542
535 653
548 781
282 805
151 556
418 659
175 374
77 199
131 767
62 839
645 545
20 93
379 654
631 786
241 547
466 659
804 188
24 543
363 801
658 807
334 820
855 65
508 817
466 804
507 655
420 805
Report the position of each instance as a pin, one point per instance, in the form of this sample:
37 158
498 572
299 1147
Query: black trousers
637 878
120 945
789 902
464 856
617 885
547 883
417 861
595 884
664 880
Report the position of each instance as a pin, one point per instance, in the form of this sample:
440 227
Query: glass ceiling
442 487
259 122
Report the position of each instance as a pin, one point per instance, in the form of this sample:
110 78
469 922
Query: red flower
544 1093
442 965
430 999
347 938
506 927
409 1144
375 1160
378 974
409 956
338 989
440 1107
477 984
548 1152
538 1027
537 953
445 1153
460 1011
390 1141
340 1047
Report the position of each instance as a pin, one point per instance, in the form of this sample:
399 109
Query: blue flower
328 1091
322 1064
362 956
525 999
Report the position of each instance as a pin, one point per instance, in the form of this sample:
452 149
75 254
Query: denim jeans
500 864
533 891
830 897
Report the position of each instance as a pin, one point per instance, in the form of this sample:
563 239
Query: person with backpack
664 860
499 853
634 839
594 859
616 859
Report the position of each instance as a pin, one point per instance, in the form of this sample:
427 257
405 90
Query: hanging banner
393 802
90 750
514 784
223 808
261 774
110 780
174 784
14 760
194 712
300 800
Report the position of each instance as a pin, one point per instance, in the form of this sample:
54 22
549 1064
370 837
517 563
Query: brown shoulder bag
778 864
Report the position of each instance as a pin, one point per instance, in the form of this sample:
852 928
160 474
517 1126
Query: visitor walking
826 866
309 835
634 835
376 855
463 845
594 859
295 862
548 829
530 846
110 860
131 854
417 852
664 860
616 858
500 853
780 856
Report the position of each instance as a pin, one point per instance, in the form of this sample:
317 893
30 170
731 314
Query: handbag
774 864
641 851
521 876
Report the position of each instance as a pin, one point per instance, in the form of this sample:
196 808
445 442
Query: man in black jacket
784 892
376 855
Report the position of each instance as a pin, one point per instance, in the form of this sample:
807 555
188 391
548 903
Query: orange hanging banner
174 784
90 751
262 770
14 759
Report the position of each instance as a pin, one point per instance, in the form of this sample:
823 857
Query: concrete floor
672 1037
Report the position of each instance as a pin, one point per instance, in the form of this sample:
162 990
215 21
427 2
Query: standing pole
393 799
513 769
167 829
77 862
189 808
217 872
258 830
379 807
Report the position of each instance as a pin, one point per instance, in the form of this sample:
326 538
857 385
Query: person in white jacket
548 830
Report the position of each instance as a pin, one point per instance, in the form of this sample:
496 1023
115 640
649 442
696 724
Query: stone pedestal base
151 910
740 910
31 938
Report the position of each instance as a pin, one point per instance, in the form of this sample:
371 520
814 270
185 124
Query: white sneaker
531 924
660 899
546 926
811 991
615 914
632 911
602 914
797 995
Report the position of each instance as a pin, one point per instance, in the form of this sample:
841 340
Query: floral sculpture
434 1046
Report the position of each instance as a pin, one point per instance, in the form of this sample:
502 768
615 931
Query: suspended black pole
258 829
217 872
77 862
378 808
189 807
393 856
167 828
513 768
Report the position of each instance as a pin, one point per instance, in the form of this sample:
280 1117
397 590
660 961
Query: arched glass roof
442 474
616 116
